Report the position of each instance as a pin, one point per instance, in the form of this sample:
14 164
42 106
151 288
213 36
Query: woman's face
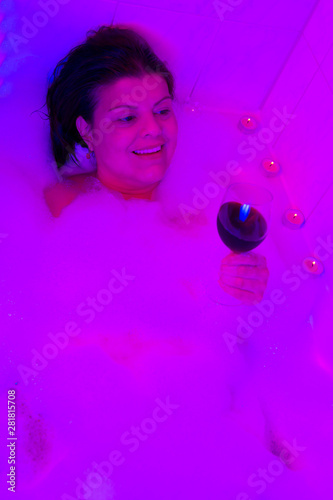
132 114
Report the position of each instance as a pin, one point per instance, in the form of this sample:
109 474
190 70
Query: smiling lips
154 151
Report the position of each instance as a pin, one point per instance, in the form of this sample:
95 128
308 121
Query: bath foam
103 383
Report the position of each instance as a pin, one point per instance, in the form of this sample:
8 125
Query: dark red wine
240 230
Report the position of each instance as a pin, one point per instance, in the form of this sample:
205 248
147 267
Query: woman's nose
150 126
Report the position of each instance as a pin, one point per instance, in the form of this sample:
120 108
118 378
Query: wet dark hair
108 54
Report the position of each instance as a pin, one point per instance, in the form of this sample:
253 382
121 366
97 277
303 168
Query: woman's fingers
252 272
248 259
249 284
244 276
244 296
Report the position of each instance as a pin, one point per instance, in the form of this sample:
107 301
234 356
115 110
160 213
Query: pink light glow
130 383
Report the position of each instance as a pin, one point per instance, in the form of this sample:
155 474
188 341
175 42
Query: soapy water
130 383
125 384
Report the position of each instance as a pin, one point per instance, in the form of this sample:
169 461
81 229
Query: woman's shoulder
60 194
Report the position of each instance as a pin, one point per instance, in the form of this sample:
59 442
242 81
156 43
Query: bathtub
124 379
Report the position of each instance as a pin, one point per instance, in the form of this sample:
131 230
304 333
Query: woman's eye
126 119
130 118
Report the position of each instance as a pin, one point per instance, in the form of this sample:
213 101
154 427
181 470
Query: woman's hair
107 55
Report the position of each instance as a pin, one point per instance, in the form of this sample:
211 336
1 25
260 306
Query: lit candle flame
313 266
292 219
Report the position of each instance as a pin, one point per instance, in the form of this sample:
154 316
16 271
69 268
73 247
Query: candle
293 218
248 124
313 266
271 167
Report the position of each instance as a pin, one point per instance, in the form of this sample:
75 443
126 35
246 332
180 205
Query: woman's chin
151 175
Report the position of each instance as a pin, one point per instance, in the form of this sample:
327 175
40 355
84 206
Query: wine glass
242 224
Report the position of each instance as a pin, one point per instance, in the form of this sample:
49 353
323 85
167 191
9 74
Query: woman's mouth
152 153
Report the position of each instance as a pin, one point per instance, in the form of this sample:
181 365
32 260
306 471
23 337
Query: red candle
293 218
313 266
248 124
271 167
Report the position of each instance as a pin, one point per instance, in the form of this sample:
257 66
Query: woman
133 392
119 103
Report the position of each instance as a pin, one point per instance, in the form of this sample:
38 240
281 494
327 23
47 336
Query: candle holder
270 168
293 218
313 266
248 125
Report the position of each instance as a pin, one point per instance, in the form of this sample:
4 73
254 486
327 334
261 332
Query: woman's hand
244 276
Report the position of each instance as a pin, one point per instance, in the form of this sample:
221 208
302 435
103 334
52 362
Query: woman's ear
84 130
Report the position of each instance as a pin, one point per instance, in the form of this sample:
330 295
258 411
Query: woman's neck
146 195
141 196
